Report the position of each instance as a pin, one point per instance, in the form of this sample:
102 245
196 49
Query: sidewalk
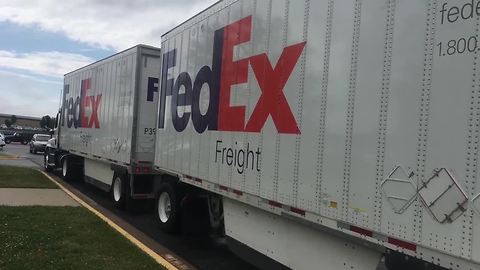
21 189
35 196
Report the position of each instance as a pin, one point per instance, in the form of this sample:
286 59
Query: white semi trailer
323 133
332 131
106 124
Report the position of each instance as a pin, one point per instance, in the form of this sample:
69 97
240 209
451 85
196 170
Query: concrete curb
159 259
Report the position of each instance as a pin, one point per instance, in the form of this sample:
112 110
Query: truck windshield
43 138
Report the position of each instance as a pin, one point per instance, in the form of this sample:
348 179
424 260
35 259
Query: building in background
21 121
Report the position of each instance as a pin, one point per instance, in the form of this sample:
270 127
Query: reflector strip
197 180
223 187
402 244
274 203
238 192
361 231
143 162
297 211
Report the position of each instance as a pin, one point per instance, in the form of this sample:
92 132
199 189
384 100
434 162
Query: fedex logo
221 76
81 112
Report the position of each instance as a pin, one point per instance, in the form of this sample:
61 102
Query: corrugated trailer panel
370 57
147 104
383 93
452 133
110 138
403 79
101 127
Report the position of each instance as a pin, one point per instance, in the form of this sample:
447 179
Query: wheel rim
64 168
117 189
164 207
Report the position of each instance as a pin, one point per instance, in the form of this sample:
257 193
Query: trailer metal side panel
113 111
147 104
358 115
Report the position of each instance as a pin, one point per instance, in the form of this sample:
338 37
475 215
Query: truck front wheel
46 161
168 208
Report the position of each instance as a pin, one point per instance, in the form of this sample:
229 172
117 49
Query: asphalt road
200 249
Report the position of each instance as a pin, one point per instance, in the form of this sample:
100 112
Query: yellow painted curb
162 261
7 157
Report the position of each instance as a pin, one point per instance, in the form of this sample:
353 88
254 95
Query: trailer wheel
67 170
119 191
216 213
168 208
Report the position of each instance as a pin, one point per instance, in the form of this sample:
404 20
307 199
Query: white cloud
25 95
112 24
53 64
58 81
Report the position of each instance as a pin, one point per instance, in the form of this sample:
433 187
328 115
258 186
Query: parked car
38 143
17 137
2 141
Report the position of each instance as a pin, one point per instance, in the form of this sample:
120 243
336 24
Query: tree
11 121
46 122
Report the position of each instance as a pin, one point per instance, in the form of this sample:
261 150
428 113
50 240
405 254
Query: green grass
64 238
21 177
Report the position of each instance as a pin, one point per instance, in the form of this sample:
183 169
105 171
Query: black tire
34 151
168 218
119 191
67 169
398 261
24 142
31 149
47 167
7 141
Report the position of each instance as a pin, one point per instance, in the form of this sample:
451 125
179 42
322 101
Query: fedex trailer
106 124
329 132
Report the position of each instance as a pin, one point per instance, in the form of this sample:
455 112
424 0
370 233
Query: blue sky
41 41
